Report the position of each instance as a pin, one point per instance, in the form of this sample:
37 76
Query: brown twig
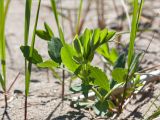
13 82
148 68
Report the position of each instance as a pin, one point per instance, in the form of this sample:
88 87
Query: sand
45 90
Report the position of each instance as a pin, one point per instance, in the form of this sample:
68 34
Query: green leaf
86 42
111 104
76 88
48 30
119 74
54 49
100 108
36 57
28 5
110 35
95 38
135 63
51 65
135 20
2 82
154 115
43 35
99 78
79 16
48 64
78 60
2 40
103 35
120 62
85 88
103 50
54 9
33 54
77 45
111 55
67 53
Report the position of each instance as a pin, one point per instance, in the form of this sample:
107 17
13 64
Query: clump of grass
133 58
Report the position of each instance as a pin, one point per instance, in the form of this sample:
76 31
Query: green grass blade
140 11
79 16
6 7
27 20
154 115
135 19
54 9
28 74
26 30
2 82
1 25
3 13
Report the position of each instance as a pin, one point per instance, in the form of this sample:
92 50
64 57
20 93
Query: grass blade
54 9
3 81
133 33
28 69
2 42
135 20
3 13
154 115
79 16
27 20
31 52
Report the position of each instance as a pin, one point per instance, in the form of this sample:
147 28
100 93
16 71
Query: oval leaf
48 64
36 57
119 74
99 78
54 49
48 30
43 35
67 54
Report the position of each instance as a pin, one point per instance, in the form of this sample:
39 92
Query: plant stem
3 13
26 35
124 93
6 103
63 83
28 72
25 108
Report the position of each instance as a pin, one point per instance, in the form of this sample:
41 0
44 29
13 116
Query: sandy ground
44 99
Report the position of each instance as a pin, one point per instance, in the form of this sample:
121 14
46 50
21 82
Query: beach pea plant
78 56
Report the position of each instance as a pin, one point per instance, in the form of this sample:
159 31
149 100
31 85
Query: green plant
26 35
133 58
154 115
3 79
78 57
31 55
